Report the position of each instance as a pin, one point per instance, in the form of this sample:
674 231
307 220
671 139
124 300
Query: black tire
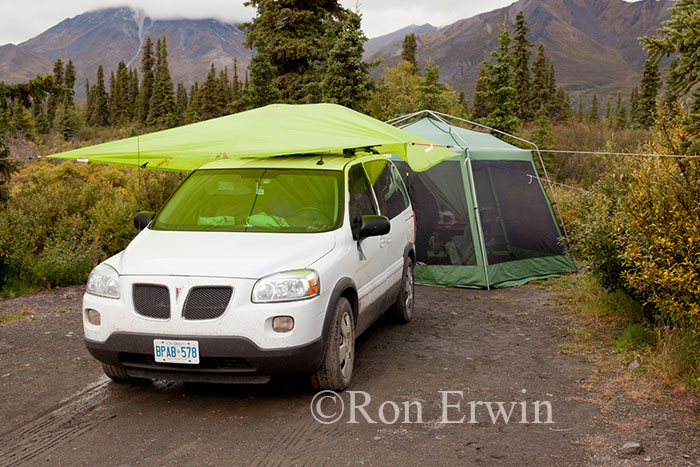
335 372
115 373
402 310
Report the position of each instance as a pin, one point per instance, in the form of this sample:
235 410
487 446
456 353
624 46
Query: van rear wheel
402 310
335 371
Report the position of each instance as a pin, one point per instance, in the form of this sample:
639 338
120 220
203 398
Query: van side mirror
372 226
142 219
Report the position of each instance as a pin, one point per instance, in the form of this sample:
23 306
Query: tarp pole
477 216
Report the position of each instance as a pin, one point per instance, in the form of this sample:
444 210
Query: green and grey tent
483 216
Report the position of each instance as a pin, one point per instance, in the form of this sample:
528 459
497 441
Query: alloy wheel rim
345 350
409 291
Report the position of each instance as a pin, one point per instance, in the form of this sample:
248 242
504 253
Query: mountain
395 39
106 37
16 63
593 43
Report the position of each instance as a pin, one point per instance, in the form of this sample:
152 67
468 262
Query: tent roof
481 145
277 129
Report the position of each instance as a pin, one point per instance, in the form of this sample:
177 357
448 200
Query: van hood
220 254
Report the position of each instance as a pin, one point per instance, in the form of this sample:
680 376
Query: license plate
166 351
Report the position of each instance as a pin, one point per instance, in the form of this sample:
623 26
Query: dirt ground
57 408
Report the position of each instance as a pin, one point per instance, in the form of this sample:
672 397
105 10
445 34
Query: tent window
361 202
388 188
515 215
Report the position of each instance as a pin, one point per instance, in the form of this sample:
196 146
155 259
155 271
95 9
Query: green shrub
64 218
635 337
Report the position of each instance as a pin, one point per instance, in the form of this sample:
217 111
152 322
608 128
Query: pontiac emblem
178 290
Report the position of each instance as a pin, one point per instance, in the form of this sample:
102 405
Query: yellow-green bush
63 218
639 228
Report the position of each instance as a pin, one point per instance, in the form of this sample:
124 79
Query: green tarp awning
277 129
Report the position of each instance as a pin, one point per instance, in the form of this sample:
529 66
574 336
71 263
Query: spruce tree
560 106
346 80
579 112
147 80
208 101
182 101
594 113
646 107
119 96
291 34
261 89
162 111
89 102
69 83
430 90
680 38
540 80
226 86
100 113
500 92
20 120
408 50
41 120
236 85
133 95
54 100
551 87
620 113
608 113
66 121
543 136
480 106
522 79
113 101
193 92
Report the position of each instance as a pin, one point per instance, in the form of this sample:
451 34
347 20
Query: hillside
593 43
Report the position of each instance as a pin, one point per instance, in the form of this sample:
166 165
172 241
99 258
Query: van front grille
206 302
151 300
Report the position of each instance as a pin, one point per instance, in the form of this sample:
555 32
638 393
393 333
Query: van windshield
255 200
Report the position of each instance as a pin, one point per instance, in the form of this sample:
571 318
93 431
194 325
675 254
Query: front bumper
222 359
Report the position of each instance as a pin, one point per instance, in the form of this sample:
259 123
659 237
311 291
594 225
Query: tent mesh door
515 216
444 233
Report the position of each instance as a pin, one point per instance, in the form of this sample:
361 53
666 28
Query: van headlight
287 286
103 281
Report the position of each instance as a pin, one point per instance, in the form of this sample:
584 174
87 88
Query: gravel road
425 393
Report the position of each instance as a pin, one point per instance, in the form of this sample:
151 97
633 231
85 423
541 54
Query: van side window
360 202
388 187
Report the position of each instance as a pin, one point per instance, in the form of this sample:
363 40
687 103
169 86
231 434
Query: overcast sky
23 19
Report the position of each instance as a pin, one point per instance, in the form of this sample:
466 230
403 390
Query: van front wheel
335 371
115 373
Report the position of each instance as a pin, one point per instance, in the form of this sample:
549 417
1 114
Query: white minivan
256 267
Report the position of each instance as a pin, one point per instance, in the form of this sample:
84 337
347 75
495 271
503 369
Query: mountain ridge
107 36
592 43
